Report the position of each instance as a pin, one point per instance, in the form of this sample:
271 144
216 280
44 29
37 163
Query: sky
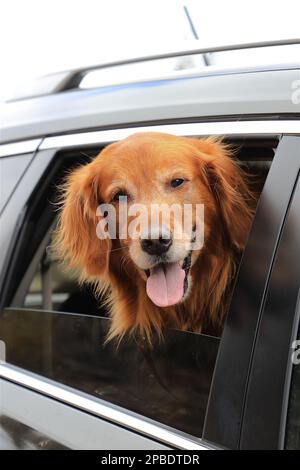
42 36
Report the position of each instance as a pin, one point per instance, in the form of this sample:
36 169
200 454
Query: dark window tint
168 382
11 169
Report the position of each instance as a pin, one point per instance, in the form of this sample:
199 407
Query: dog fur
144 164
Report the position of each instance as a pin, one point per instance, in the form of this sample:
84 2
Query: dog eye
119 195
177 182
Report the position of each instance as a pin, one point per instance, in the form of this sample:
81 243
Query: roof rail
70 79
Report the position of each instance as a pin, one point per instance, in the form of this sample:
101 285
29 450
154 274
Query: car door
211 370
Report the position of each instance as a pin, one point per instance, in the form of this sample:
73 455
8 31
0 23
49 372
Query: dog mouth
167 283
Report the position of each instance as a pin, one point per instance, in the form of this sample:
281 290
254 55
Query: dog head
139 178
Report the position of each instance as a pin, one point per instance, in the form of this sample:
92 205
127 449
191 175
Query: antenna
194 32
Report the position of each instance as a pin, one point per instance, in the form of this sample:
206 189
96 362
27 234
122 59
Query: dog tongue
165 285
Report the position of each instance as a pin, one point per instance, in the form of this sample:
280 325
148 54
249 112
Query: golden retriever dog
154 279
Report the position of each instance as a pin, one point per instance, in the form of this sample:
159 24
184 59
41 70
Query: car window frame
25 159
269 430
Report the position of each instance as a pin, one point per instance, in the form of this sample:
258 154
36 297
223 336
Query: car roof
206 94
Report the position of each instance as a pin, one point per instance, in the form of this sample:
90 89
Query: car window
11 169
60 325
65 293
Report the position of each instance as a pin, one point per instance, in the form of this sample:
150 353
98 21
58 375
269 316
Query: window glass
11 169
168 382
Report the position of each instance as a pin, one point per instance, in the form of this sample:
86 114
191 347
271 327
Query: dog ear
76 238
228 184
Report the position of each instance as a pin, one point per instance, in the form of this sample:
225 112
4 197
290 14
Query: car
62 386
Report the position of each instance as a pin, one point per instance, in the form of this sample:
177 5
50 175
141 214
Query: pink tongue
165 284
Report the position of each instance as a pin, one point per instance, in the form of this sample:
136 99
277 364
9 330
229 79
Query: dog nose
157 245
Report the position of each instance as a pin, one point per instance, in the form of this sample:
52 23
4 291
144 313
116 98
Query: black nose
156 246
